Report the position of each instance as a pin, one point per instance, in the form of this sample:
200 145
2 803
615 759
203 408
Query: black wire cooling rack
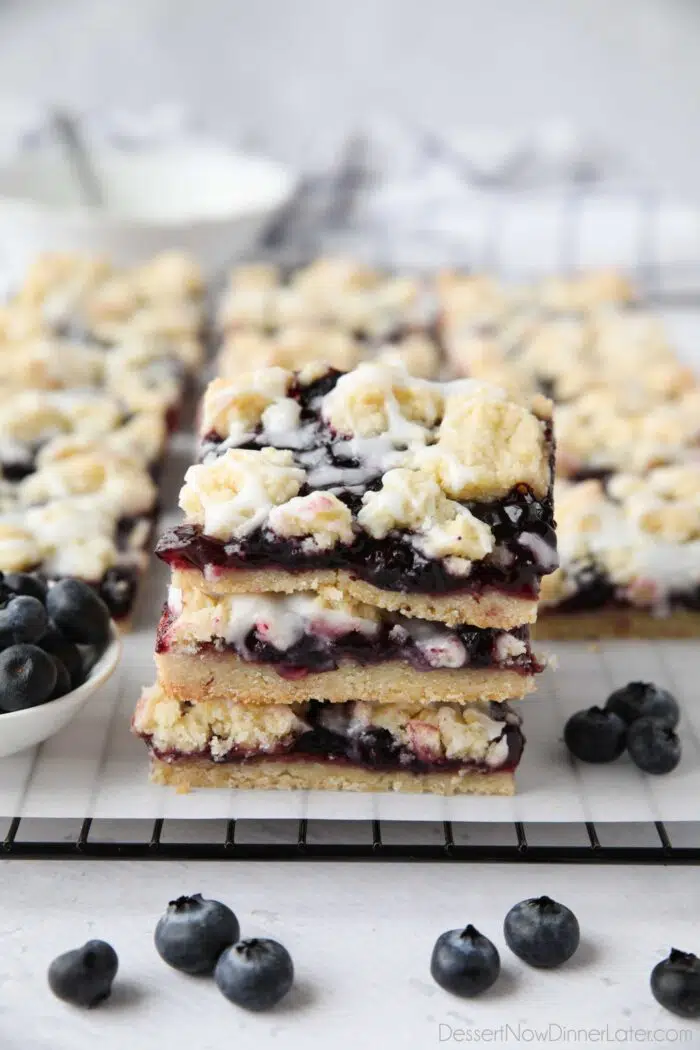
654 843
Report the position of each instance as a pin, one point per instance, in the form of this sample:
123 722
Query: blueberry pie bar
442 748
629 556
93 368
336 293
335 311
352 584
288 648
432 500
628 437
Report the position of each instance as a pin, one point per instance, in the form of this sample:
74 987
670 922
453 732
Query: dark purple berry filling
392 564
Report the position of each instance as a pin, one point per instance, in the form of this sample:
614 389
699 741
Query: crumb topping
642 532
18 548
413 500
377 399
472 731
232 495
291 348
409 448
218 726
320 517
119 485
234 408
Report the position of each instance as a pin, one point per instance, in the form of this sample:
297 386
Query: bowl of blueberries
58 646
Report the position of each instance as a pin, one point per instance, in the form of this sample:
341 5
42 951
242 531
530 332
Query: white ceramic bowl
22 729
200 197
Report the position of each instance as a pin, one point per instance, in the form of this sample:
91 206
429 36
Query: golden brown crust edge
490 609
615 623
321 776
220 676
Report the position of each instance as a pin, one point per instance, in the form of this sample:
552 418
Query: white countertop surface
361 936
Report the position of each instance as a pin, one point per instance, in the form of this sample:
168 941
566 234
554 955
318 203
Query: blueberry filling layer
393 563
331 734
428 648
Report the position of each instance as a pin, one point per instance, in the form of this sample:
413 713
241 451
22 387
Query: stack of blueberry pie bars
94 366
360 558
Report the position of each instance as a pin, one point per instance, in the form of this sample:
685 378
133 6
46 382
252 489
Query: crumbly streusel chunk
50 364
120 485
192 728
291 348
320 517
233 495
233 408
643 533
18 548
377 399
487 445
412 500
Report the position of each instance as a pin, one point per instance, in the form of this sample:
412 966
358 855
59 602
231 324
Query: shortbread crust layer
488 608
320 776
615 622
217 676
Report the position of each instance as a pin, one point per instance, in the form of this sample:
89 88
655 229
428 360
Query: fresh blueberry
26 583
653 745
675 983
78 612
464 962
23 619
255 974
194 932
27 677
68 654
84 976
63 680
541 932
642 699
595 735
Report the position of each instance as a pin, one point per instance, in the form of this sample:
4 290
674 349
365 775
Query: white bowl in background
204 198
22 729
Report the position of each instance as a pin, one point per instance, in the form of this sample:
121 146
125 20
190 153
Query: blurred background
289 76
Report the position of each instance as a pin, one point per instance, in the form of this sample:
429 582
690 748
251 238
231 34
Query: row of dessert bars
627 410
94 364
353 584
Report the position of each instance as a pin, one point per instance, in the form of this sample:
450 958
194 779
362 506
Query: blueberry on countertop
26 583
675 983
28 677
78 612
255 974
653 745
595 735
84 976
194 932
464 962
541 932
23 619
640 699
